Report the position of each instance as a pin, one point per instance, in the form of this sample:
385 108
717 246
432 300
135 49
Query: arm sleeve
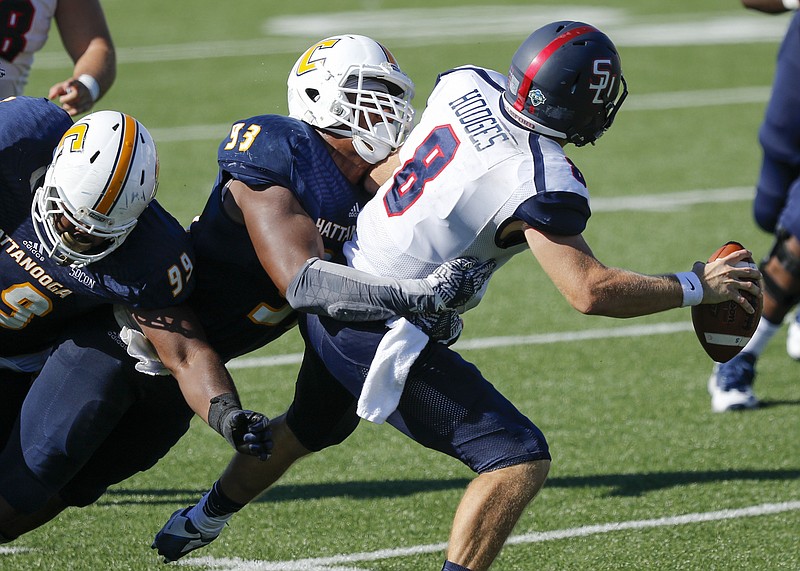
347 294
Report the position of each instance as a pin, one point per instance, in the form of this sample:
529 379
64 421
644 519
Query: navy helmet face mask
566 82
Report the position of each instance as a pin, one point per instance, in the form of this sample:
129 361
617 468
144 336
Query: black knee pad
789 262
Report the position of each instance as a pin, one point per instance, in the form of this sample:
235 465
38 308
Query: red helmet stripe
542 57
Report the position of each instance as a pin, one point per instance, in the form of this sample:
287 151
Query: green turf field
644 475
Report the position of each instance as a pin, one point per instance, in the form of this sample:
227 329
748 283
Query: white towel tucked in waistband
397 351
137 344
140 348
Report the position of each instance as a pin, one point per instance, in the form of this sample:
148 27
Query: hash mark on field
13 550
333 563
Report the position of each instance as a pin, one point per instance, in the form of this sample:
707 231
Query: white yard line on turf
13 550
291 34
637 102
505 341
336 562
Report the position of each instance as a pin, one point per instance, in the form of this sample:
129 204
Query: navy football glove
247 431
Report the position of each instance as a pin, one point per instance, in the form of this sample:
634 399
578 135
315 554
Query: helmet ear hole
312 94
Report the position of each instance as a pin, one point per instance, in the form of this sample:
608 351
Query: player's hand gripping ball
725 328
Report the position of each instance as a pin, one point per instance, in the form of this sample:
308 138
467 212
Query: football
725 328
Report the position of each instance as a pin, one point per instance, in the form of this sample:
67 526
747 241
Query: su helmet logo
605 81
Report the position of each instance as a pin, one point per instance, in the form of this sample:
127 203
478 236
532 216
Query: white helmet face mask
351 85
103 175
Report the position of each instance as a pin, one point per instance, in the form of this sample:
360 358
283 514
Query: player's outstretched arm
595 289
290 249
206 384
347 294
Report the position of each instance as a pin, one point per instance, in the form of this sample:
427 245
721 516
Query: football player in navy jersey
286 200
297 193
776 209
80 232
483 175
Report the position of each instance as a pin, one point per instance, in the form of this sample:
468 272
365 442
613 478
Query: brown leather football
725 328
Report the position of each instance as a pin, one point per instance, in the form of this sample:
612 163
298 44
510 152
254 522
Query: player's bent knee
781 270
533 473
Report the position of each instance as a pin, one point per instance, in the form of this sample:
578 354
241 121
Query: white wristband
791 4
692 288
92 85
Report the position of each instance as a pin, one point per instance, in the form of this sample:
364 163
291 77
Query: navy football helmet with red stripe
566 82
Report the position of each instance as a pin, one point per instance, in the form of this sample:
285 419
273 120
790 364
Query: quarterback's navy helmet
565 82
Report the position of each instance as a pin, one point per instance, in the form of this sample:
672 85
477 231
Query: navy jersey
239 306
151 269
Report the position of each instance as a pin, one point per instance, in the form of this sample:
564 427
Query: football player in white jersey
24 27
483 174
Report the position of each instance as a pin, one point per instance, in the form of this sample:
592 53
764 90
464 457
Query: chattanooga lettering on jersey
328 229
476 117
27 263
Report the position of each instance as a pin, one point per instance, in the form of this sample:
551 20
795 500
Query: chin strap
373 148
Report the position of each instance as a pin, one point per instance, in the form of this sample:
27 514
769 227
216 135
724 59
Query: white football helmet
103 175
351 85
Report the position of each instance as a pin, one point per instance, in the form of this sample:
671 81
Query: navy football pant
89 421
446 405
13 388
323 412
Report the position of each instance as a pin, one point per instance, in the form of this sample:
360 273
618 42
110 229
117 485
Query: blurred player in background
79 231
482 175
24 27
776 209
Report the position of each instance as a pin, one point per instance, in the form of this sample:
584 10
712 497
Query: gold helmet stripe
121 171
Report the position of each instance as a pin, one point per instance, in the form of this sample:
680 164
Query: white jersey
23 32
469 175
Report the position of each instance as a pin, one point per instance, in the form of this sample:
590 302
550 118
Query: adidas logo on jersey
34 248
354 211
